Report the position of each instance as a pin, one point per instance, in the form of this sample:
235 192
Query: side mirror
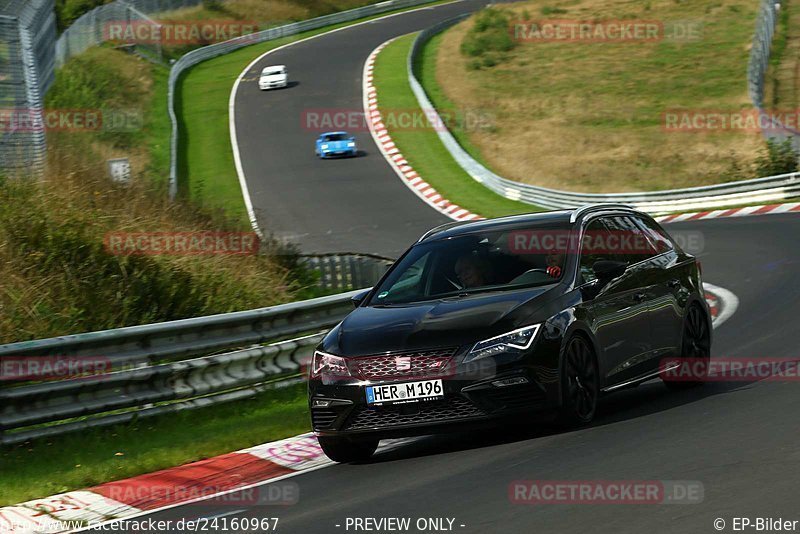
607 270
359 297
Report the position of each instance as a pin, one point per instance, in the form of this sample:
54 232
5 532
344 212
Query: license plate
406 392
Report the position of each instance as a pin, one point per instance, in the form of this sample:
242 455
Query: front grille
427 412
405 365
322 419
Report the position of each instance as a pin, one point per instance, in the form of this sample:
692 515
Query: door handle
674 283
639 297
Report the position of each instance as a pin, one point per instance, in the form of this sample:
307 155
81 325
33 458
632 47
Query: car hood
273 78
440 323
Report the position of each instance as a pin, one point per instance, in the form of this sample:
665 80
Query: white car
273 77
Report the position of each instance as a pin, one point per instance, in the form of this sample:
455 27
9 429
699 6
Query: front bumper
340 153
273 85
467 401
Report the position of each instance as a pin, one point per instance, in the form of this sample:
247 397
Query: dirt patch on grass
590 116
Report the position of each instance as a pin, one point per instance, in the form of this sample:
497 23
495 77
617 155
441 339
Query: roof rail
440 228
600 206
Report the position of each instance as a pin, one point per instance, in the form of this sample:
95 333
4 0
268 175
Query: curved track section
343 205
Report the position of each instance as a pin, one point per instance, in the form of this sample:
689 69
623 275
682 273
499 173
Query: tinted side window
629 240
594 247
660 239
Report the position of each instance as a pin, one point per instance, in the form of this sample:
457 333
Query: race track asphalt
342 205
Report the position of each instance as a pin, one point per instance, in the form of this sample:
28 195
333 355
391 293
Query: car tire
580 384
345 451
695 345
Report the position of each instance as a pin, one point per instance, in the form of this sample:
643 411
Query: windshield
272 72
335 137
491 261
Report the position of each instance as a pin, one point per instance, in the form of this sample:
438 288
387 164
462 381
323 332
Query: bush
489 38
779 158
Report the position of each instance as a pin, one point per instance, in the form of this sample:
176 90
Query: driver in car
473 271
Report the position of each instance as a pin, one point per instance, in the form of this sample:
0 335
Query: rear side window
629 239
660 239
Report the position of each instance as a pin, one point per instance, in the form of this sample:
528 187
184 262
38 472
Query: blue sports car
336 144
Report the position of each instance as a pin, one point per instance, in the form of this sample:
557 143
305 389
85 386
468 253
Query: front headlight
324 147
514 341
324 363
351 144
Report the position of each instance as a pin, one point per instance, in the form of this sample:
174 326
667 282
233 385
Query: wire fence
92 28
27 37
766 25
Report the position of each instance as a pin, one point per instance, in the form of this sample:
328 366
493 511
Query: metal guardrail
160 368
211 51
768 189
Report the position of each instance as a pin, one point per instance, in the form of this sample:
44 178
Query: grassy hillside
57 275
588 115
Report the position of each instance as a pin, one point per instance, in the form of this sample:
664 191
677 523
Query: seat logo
402 363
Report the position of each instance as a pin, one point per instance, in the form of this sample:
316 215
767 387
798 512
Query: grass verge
92 457
590 115
206 169
422 147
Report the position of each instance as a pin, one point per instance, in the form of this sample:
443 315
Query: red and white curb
200 481
397 161
212 482
770 209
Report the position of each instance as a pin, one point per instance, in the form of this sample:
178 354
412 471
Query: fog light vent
517 380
